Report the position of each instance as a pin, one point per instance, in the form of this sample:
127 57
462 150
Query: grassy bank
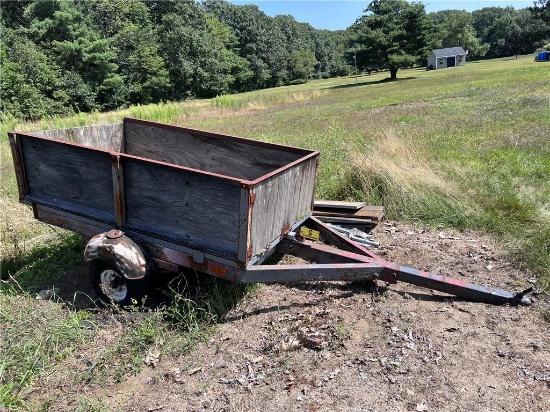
465 147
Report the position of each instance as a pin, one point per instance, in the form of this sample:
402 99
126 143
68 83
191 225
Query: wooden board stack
348 214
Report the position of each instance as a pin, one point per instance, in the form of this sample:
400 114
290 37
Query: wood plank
104 136
336 204
202 152
185 207
346 220
369 212
69 177
281 201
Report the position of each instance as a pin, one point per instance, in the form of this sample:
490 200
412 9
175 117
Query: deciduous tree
454 28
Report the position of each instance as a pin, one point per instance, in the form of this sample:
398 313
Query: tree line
59 57
396 34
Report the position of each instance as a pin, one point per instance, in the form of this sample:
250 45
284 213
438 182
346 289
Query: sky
340 14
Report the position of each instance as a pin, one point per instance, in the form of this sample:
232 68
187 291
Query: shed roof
448 52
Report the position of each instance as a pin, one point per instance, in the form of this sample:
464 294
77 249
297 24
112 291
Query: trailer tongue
350 261
158 197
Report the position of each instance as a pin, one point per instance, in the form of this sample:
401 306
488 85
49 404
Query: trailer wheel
112 287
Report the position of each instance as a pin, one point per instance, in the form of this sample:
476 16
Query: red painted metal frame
345 260
348 260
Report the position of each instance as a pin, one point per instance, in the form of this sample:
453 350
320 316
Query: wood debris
348 214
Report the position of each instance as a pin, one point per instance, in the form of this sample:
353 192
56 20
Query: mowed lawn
466 147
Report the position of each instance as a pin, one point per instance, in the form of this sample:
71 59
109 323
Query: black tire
112 287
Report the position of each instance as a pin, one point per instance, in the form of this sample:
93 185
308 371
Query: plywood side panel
206 153
189 208
69 177
105 136
280 202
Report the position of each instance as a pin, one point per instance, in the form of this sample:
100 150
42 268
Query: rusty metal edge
242 182
164 256
338 240
118 191
271 248
85 227
285 168
144 159
33 200
75 223
307 272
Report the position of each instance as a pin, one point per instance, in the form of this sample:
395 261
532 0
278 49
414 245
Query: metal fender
120 251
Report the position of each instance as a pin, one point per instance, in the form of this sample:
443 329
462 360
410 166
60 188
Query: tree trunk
393 73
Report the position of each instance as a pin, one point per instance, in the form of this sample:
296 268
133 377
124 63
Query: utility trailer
152 197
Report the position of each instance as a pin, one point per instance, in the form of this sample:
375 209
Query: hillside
461 151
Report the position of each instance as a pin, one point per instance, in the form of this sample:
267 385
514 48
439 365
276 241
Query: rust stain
119 250
284 232
67 223
201 267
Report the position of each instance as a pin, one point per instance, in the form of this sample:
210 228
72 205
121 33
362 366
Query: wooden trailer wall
106 136
220 195
209 152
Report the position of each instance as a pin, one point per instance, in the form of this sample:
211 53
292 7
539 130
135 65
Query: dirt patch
351 347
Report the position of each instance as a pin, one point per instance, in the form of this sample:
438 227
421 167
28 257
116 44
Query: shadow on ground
385 80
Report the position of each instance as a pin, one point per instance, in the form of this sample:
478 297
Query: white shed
449 57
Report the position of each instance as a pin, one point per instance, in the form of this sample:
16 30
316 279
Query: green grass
35 336
465 147
48 341
42 262
228 102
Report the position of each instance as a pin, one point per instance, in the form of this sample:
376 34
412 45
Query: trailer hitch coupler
519 298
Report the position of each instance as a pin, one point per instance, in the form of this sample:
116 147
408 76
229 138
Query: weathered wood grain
336 204
347 220
369 212
202 152
104 136
189 208
69 177
183 207
280 202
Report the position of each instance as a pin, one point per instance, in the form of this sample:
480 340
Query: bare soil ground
348 347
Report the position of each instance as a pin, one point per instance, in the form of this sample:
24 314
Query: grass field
466 147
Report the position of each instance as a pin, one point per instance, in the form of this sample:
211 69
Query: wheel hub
113 285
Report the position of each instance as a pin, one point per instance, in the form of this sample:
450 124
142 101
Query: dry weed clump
399 175
401 166
19 231
299 97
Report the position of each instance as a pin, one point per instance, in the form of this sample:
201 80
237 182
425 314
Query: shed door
451 61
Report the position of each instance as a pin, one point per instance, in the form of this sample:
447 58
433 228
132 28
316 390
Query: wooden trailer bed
224 196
